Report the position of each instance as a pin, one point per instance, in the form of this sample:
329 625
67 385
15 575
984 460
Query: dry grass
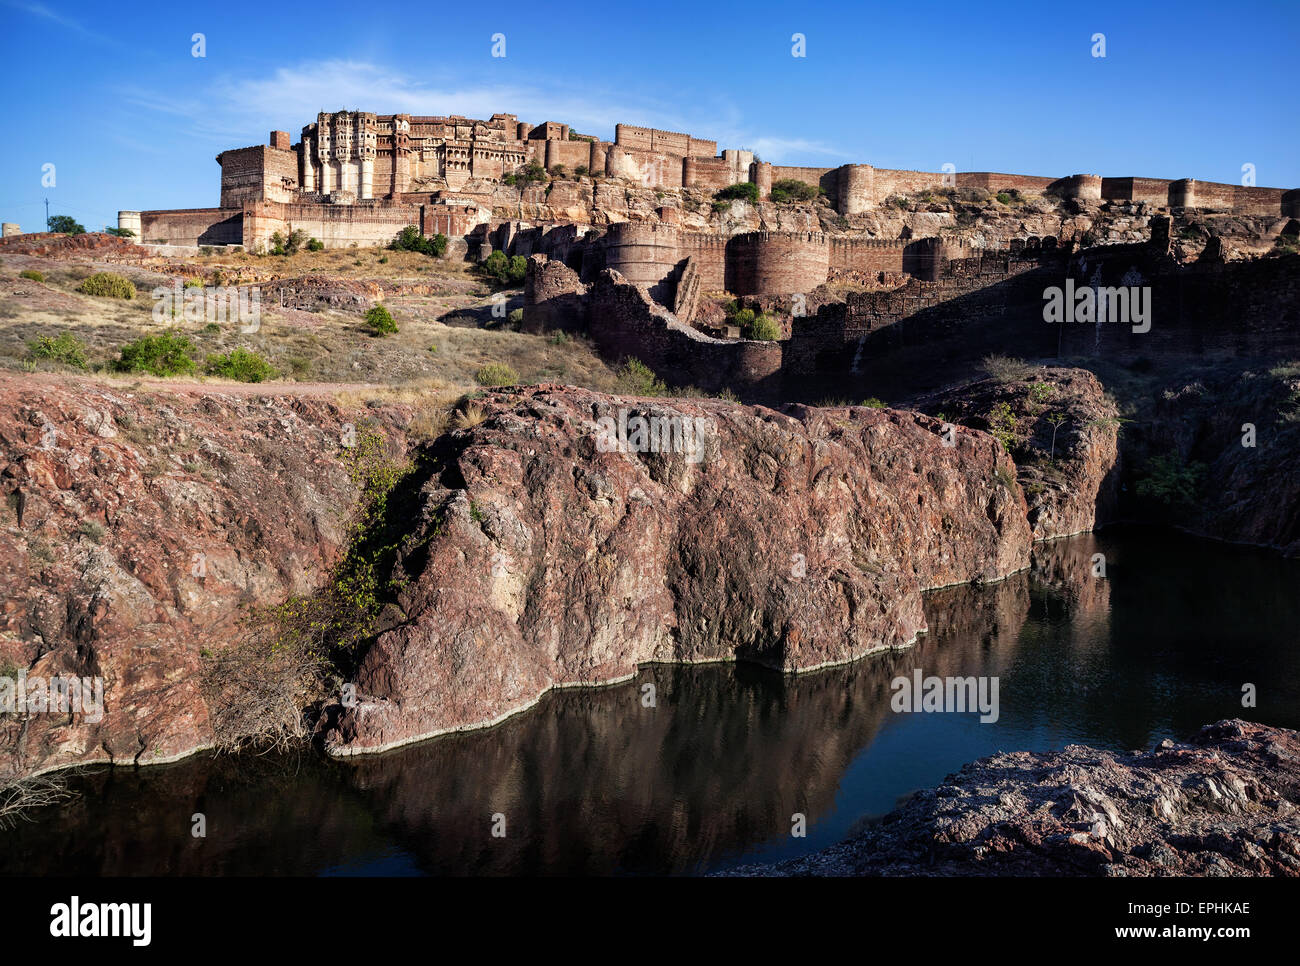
331 346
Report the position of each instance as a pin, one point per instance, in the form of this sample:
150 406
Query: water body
593 782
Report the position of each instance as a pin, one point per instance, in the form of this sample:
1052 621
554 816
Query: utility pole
47 214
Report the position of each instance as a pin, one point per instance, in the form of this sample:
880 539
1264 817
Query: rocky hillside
1222 803
536 547
140 529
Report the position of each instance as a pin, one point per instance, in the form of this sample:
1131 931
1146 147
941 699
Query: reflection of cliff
1068 565
722 762
590 781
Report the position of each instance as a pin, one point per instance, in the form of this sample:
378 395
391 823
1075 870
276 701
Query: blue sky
111 95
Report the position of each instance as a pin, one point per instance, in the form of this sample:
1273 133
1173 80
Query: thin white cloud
237 109
43 12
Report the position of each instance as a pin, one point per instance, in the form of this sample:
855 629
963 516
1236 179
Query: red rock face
792 539
137 530
1067 438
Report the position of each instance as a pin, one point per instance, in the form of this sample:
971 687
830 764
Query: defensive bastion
357 178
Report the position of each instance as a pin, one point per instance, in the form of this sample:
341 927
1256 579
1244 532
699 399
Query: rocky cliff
140 529
1062 430
1222 803
552 544
548 554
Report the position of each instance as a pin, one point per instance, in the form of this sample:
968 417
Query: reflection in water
594 782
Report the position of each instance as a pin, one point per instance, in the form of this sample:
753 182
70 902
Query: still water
592 782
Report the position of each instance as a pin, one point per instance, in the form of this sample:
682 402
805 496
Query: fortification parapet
1085 187
777 263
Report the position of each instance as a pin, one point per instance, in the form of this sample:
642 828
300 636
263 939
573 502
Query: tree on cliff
65 224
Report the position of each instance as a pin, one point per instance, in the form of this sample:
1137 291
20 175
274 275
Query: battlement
350 157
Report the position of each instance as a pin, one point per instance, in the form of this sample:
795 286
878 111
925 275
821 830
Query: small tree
741 191
380 321
66 224
789 190
1056 420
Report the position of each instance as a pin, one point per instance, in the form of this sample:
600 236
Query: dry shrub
20 795
256 693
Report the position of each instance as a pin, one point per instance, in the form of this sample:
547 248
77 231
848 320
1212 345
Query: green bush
875 402
66 224
637 378
108 285
66 349
169 354
506 271
496 374
32 274
720 206
1003 198
516 317
742 191
280 245
121 232
789 190
531 174
1170 481
1004 426
315 245
380 321
762 327
240 364
409 239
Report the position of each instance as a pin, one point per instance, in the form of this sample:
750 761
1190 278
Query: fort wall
996 181
192 226
624 323
776 263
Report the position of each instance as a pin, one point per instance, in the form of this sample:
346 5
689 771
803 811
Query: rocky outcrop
1222 803
1064 434
546 557
139 529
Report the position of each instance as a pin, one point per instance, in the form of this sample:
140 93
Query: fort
357 178
627 243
